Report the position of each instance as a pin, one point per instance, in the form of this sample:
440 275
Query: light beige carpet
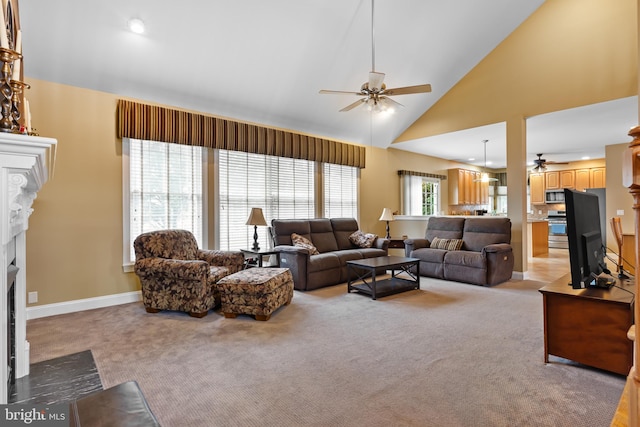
449 354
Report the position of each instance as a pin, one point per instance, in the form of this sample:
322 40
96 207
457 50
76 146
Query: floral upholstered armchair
176 275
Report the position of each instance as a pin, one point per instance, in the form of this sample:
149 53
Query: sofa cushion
362 240
322 235
303 242
444 228
429 254
282 229
481 232
372 252
448 244
465 258
326 261
342 229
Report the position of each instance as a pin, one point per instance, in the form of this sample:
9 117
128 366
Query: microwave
554 196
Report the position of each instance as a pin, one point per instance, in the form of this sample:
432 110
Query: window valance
155 123
426 174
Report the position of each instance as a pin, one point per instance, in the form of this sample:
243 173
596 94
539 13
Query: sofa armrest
497 247
413 244
381 243
233 260
173 268
296 259
292 249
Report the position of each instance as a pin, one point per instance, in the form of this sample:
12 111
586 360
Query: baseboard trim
518 275
82 304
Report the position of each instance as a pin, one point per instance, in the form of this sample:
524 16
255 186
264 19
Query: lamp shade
387 215
256 217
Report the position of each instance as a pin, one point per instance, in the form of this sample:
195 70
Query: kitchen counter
538 236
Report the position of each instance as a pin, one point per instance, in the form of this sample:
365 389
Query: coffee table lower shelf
363 278
386 287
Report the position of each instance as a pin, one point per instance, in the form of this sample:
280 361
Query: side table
255 258
396 242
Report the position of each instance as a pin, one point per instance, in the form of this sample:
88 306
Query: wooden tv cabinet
589 326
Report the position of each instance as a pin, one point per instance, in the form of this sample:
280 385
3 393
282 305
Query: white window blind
163 189
282 187
421 195
340 190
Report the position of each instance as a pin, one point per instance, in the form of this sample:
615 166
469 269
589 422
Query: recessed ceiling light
586 158
136 26
471 159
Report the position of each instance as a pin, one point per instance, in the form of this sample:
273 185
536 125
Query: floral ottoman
255 291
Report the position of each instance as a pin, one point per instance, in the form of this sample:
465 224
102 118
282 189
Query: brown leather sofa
485 258
331 238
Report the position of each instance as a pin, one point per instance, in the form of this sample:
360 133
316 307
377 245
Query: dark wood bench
123 405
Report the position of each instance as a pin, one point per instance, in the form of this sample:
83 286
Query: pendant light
484 177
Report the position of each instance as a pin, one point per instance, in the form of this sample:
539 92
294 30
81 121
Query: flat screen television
586 250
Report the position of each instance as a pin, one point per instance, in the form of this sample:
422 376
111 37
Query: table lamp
256 218
387 215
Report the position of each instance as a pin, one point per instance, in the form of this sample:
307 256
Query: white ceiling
265 61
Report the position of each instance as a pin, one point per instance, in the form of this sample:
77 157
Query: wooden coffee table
364 271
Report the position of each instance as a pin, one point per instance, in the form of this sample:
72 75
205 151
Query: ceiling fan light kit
375 92
541 164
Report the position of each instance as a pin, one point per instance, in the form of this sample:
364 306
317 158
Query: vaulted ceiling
265 61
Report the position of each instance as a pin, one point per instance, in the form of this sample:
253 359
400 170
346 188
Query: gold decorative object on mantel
14 108
7 56
16 114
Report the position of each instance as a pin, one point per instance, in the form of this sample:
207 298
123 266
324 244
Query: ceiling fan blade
339 92
557 163
375 81
354 105
408 90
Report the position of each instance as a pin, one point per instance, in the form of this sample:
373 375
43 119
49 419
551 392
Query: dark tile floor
58 380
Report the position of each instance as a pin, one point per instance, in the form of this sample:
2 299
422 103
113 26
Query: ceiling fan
541 164
374 92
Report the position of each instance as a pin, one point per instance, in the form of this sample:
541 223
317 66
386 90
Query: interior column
517 189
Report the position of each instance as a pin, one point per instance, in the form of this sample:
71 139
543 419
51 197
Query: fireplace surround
26 164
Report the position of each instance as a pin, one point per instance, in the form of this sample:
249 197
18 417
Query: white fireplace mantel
26 163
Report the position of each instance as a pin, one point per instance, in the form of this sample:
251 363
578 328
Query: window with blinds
163 189
282 187
340 190
420 195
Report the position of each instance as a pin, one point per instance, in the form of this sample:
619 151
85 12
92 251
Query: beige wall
568 53
618 196
74 241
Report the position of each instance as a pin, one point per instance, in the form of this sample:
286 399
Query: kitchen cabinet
465 188
538 238
568 179
552 180
598 178
583 179
536 188
557 180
